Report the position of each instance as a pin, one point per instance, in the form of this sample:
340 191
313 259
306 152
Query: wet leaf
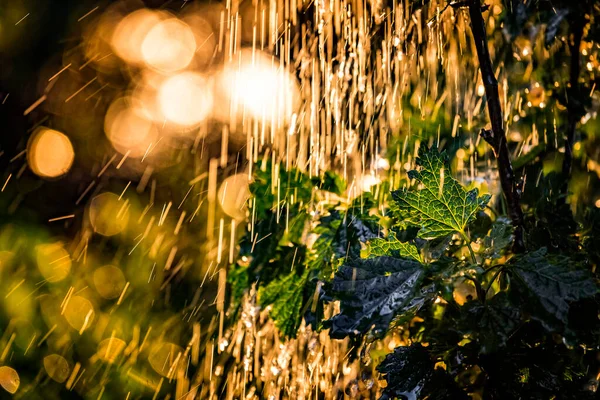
330 182
410 374
285 295
551 283
372 292
442 206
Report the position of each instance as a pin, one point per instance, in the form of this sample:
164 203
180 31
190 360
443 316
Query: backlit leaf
442 206
391 246
285 295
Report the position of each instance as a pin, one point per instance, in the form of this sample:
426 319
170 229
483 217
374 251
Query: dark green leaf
372 292
499 239
434 249
551 283
442 206
406 371
410 374
480 226
493 322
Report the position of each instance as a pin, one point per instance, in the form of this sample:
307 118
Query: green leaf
493 322
391 246
237 277
321 254
499 239
410 374
442 206
480 226
275 186
551 283
285 295
330 182
406 371
374 291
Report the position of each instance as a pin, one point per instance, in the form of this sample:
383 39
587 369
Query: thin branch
496 137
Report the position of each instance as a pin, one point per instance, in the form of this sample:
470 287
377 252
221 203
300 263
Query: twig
496 137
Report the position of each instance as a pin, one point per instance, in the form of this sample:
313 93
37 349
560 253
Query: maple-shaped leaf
285 296
440 205
549 284
493 322
391 246
374 291
411 374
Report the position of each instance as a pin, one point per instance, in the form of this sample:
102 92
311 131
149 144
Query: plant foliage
428 262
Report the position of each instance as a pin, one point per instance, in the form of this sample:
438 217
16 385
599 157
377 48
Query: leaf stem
496 137
468 242
492 281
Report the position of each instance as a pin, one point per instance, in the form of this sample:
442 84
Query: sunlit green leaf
391 246
285 297
442 205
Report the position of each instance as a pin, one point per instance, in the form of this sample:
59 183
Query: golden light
463 291
128 129
536 96
50 309
480 90
49 153
24 331
53 261
109 281
145 95
169 46
56 367
107 214
206 40
7 258
79 313
185 99
130 33
97 37
368 181
164 358
260 87
9 379
109 349
233 194
20 303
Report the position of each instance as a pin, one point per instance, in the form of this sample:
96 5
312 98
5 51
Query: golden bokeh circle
50 153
